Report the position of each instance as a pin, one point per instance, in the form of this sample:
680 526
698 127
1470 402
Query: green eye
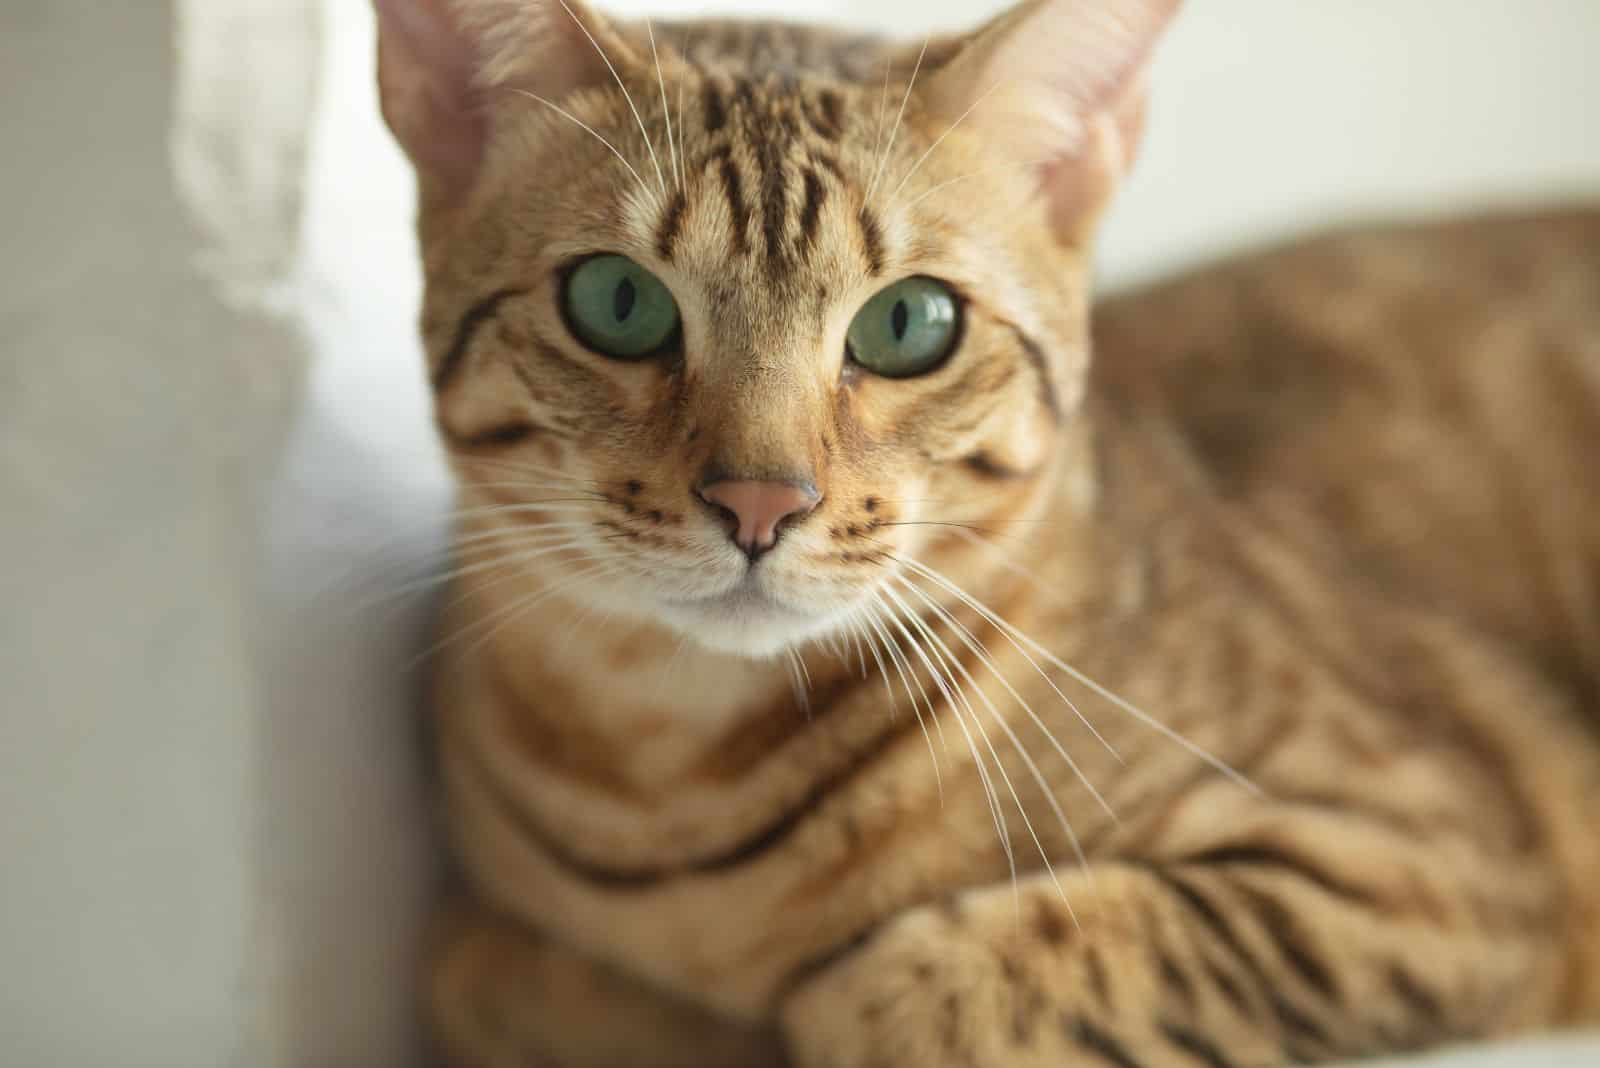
908 329
619 309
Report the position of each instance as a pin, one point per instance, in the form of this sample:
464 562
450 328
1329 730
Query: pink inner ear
426 70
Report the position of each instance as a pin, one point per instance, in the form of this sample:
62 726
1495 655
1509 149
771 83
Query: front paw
935 987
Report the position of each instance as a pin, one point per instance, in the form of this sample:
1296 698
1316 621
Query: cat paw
936 987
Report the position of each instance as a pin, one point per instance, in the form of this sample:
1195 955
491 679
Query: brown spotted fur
1330 513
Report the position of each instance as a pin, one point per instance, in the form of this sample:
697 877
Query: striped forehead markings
771 128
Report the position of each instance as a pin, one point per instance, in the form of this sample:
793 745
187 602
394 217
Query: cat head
731 323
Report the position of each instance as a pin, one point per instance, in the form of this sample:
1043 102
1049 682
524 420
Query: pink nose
758 508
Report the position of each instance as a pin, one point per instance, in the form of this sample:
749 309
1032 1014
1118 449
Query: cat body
1231 701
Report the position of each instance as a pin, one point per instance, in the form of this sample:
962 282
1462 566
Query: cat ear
1059 84
441 63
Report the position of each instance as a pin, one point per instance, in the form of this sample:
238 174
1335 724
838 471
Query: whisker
443 578
527 467
883 108
893 133
954 702
940 140
1121 703
413 570
661 178
1005 630
971 641
488 509
1016 743
857 631
498 620
553 529
684 49
980 172
517 562
938 777
590 129
907 672
666 111
985 540
801 698
888 686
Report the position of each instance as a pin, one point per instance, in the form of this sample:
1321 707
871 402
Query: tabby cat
842 673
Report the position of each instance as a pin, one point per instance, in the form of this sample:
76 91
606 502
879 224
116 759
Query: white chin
742 627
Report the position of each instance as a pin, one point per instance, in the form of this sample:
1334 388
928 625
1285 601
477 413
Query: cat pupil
900 318
623 299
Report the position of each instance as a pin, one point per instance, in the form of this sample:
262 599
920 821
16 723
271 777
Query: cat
845 670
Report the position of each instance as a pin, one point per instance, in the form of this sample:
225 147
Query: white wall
137 412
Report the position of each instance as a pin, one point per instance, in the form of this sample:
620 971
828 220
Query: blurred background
217 475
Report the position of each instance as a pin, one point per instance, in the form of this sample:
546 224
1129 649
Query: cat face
734 377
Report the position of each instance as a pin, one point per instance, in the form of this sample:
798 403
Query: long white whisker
940 140
893 133
524 484
527 467
515 609
517 534
949 657
857 632
938 777
888 685
1120 702
516 563
801 698
970 640
423 569
503 560
666 111
883 109
980 172
625 95
805 672
934 576
1016 742
954 702
903 666
973 536
564 113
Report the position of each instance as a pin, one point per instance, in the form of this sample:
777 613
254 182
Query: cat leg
502 996
1250 957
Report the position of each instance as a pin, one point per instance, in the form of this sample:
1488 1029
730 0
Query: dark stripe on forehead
825 113
671 224
774 198
832 111
716 112
733 189
744 96
476 317
811 210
